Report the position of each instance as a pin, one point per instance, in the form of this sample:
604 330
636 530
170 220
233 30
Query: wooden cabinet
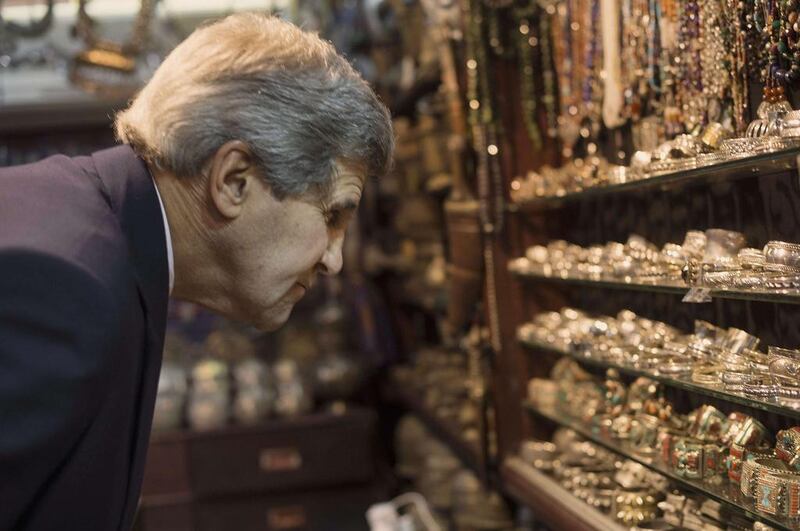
315 472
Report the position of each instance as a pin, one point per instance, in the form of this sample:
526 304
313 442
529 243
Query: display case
636 170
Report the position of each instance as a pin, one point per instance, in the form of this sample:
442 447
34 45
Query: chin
272 320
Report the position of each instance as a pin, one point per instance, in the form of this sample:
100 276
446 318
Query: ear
231 176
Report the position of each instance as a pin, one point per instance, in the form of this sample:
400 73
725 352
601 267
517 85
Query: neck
198 275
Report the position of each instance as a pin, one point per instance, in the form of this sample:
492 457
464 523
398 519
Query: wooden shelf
67 114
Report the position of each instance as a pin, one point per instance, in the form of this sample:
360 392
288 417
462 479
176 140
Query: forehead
347 179
345 186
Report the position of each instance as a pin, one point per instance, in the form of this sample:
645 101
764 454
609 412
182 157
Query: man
242 162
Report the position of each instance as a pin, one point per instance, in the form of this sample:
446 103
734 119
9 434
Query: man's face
279 247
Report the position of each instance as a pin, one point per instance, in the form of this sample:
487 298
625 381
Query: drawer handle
280 459
286 517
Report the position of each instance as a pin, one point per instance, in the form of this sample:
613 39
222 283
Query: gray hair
300 106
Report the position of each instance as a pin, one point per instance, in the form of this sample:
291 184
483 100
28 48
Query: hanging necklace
715 60
526 42
690 90
492 19
486 146
768 19
731 25
614 112
568 39
670 63
591 90
550 96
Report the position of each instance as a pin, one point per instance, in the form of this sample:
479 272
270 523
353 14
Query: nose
331 261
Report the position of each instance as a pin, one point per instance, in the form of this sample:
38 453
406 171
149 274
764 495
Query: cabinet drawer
166 470
311 452
327 510
159 514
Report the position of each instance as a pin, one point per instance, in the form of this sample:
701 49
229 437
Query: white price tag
697 295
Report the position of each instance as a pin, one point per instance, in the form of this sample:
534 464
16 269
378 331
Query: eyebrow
344 204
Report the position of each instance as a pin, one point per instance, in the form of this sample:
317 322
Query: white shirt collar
170 259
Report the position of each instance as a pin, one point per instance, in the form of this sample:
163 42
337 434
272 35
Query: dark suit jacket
83 298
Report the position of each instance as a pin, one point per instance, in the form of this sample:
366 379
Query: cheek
313 242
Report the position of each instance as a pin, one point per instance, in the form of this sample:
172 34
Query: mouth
306 284
304 287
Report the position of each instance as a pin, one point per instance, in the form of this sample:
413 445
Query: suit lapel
134 199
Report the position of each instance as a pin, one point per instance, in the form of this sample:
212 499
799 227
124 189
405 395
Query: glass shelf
552 501
787 297
725 492
755 166
685 384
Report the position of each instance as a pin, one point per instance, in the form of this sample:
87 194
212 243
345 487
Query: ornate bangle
783 253
785 352
777 488
676 368
644 434
695 459
708 424
734 377
709 376
739 341
788 392
665 442
787 447
782 269
751 258
760 391
784 371
752 435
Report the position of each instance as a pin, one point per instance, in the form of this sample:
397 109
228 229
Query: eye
334 217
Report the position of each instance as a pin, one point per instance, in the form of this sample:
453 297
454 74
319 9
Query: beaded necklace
591 92
485 141
634 57
527 41
715 61
577 64
768 19
550 96
690 90
736 24
670 60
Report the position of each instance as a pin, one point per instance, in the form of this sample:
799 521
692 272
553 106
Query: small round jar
293 394
209 398
210 376
252 404
171 397
208 411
